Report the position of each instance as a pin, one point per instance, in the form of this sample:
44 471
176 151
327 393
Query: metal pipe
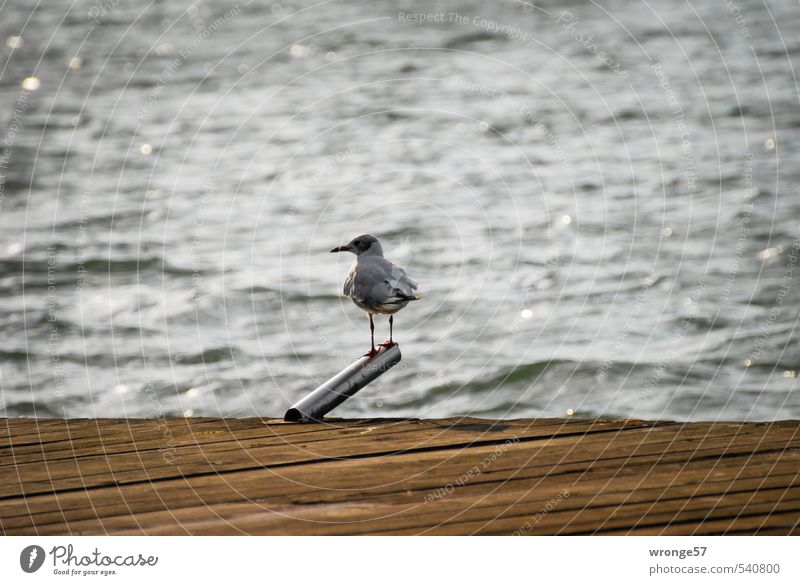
343 385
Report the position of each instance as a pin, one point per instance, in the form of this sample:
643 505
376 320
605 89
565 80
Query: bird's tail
405 296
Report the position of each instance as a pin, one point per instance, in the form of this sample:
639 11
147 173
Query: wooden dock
452 476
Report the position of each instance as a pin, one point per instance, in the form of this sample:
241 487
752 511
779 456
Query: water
599 199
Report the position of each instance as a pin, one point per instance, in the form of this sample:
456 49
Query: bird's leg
372 350
389 343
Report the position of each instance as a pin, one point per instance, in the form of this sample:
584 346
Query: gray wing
379 282
349 282
401 284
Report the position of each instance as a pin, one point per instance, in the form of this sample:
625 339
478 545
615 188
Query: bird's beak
339 249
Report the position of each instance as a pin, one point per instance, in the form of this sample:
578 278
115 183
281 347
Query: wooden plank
149 462
451 476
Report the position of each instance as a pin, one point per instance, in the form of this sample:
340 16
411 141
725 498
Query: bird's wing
349 282
399 281
377 281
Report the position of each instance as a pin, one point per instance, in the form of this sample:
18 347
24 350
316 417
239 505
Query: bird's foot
388 344
371 353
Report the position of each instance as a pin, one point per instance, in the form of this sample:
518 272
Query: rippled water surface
600 199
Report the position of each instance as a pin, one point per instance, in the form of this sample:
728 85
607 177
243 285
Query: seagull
376 285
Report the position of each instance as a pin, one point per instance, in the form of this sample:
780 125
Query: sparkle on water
31 83
770 252
300 51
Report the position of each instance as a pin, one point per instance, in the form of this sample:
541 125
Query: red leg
389 343
372 350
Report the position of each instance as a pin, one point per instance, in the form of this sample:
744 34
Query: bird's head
363 244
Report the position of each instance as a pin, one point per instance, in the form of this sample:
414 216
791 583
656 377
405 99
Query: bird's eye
357 242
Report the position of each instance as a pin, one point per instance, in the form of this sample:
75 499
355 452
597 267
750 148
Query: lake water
600 200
